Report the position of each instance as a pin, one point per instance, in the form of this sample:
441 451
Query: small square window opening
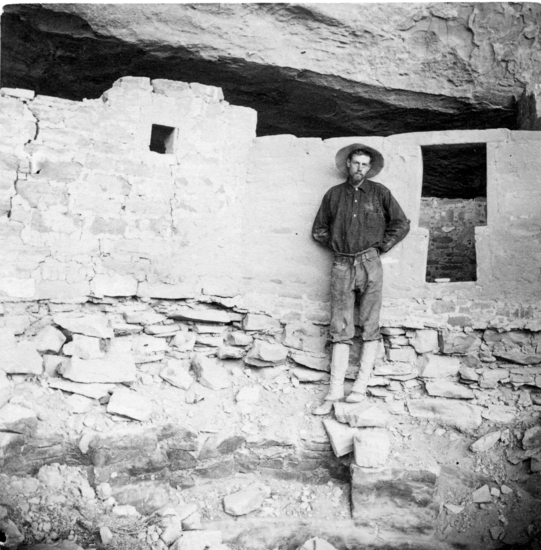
162 139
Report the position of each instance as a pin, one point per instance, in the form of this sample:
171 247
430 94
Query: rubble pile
130 407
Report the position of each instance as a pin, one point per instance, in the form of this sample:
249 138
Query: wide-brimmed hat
377 159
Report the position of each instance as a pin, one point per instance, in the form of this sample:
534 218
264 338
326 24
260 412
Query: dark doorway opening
454 202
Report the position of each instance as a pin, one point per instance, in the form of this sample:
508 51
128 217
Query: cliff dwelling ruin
164 310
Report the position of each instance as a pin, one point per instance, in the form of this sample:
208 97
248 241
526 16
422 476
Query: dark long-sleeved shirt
352 220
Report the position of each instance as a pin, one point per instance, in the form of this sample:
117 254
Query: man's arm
397 226
321 230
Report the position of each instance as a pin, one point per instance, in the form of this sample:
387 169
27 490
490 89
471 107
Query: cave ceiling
312 70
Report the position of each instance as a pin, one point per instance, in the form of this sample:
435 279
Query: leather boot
339 366
368 357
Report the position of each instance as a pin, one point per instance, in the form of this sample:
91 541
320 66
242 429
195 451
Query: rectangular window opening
162 139
453 203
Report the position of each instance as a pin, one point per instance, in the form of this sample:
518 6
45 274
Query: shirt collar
363 187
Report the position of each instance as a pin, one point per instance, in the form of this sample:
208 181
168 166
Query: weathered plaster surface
90 210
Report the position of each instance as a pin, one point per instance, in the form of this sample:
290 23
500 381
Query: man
358 220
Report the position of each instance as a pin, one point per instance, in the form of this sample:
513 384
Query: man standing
358 220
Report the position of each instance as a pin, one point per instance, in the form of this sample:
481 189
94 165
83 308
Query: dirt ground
512 519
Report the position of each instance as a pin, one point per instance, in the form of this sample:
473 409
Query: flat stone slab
310 362
246 501
113 368
362 415
266 354
486 442
199 315
84 347
89 325
446 388
371 447
309 375
94 391
49 340
425 341
210 373
499 414
21 358
459 343
176 373
532 438
130 403
393 498
340 436
438 366
239 338
462 416
14 418
255 321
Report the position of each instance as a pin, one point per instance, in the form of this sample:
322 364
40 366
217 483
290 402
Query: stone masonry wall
451 247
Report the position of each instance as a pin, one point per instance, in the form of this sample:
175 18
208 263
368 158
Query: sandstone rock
486 442
192 522
130 403
491 377
219 444
125 510
147 317
113 368
316 363
113 285
401 355
305 336
264 323
210 373
15 418
445 388
185 510
207 328
454 508
459 343
239 338
199 315
516 356
265 354
230 352
438 366
172 529
340 436
209 340
499 414
469 374
144 344
197 540
248 394
21 358
394 498
176 373
532 438
146 497
78 404
53 364
316 544
309 375
125 329
49 340
94 391
89 325
392 331
362 415
84 347
371 447
393 369
461 415
482 495
11 536
184 341
106 535
425 341
247 500
162 331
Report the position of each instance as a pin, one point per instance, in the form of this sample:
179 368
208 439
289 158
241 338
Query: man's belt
368 254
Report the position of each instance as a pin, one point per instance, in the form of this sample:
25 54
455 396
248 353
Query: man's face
358 167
